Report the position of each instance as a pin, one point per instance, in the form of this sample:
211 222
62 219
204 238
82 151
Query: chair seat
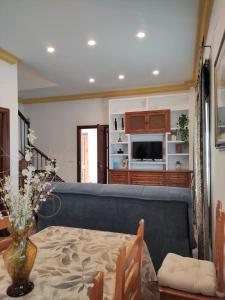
188 274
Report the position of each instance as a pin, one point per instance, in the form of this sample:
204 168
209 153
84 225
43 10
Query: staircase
39 159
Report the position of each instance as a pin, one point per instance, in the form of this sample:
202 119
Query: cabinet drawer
147 178
178 179
118 177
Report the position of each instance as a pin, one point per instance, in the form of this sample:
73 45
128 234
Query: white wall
56 129
216 29
9 99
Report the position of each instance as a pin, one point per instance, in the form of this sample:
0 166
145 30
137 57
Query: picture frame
219 92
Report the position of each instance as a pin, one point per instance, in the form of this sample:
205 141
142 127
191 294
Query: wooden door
158 121
84 158
4 142
102 153
136 122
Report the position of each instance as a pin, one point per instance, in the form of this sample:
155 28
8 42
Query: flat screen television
147 150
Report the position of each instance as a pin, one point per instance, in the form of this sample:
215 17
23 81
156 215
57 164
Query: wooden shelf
178 154
119 131
120 154
119 143
149 162
117 114
175 142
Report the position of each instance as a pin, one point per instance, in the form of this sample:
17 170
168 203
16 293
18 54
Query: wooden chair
128 268
173 294
5 242
97 290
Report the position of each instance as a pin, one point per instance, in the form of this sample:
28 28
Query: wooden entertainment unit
151 177
141 122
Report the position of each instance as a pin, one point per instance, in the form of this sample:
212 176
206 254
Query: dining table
69 258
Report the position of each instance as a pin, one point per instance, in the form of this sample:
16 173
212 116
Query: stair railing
39 158
24 125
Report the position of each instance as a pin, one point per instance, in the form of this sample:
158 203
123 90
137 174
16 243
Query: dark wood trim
5 143
26 120
218 145
79 128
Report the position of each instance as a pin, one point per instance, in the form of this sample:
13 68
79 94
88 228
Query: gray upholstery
167 212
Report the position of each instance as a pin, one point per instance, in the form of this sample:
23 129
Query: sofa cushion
188 274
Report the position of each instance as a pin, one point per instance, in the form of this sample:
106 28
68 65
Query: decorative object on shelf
125 163
219 89
20 206
120 151
122 123
173 137
120 139
178 165
182 128
115 124
116 165
178 148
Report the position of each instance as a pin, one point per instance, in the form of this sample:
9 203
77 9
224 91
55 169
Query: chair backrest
219 246
97 289
4 223
4 243
128 268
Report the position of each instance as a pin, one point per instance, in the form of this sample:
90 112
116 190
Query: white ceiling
27 27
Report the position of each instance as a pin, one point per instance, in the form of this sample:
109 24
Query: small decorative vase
19 259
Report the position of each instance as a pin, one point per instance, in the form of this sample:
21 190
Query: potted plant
182 128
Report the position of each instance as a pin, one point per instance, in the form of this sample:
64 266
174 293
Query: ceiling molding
112 94
9 57
204 14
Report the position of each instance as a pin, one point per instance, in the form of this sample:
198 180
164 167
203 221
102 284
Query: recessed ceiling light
121 76
155 72
91 42
50 49
141 35
91 80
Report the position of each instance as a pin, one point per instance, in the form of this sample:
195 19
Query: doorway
92 154
4 142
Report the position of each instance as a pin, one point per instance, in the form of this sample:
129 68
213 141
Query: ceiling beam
9 57
204 14
112 94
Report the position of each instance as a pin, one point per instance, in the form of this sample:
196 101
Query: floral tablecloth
68 259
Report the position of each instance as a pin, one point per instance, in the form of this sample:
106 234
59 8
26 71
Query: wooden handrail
26 120
41 153
39 158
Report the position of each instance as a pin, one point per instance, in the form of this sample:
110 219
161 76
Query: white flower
31 136
20 205
48 168
28 155
1 215
24 172
36 179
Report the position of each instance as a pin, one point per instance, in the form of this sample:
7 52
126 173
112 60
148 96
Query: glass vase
19 259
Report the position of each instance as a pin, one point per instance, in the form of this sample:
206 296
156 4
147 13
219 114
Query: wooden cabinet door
146 178
136 122
179 179
158 121
118 177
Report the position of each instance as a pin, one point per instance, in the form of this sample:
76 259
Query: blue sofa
167 212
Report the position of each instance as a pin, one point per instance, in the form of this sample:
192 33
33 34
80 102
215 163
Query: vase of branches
20 206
